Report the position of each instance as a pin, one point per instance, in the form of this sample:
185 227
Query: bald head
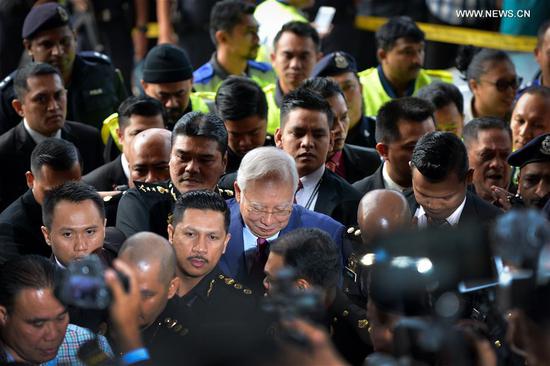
380 212
150 253
149 155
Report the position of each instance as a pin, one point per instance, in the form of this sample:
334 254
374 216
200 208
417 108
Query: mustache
199 257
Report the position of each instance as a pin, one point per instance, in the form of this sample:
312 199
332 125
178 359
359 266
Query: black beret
538 149
335 63
166 63
44 17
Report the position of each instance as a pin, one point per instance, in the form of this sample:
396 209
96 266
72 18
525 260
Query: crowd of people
275 205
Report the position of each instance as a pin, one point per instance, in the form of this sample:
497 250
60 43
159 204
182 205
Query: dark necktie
437 223
258 263
300 186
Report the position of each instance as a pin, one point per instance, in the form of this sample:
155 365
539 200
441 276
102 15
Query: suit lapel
327 198
378 178
233 259
469 211
23 141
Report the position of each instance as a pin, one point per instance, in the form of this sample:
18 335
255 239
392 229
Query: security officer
401 55
168 78
342 68
95 88
235 33
533 160
207 303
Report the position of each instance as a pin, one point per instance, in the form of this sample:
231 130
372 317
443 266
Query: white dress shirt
125 166
388 182
37 136
453 219
307 196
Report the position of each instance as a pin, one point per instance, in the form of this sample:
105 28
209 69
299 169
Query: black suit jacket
20 232
107 176
475 209
359 162
370 183
16 147
337 199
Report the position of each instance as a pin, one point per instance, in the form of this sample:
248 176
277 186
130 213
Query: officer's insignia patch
363 323
97 91
238 286
62 14
340 61
545 146
247 291
229 281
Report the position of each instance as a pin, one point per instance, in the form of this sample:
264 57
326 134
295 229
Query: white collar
388 182
125 166
37 136
313 178
453 218
59 263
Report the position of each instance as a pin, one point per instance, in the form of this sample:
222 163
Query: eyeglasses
503 85
256 211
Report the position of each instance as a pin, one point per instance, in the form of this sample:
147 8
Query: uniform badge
97 91
340 61
62 14
545 146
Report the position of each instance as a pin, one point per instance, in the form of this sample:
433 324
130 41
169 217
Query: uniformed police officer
197 161
342 68
235 34
208 304
95 87
533 160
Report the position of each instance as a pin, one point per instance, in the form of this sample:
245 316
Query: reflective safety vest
273 110
374 95
206 79
202 102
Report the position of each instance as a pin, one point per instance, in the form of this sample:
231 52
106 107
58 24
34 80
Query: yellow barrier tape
459 35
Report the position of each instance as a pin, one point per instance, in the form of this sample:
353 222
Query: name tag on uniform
98 91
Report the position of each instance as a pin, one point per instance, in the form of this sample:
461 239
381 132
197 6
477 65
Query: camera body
83 284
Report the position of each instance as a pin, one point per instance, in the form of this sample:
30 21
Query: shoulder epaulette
203 73
262 66
226 193
353 231
174 325
94 56
230 282
156 189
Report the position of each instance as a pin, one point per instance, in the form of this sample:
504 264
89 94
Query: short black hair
438 154
472 128
301 29
306 99
239 97
26 272
323 86
409 108
540 90
473 62
442 94
201 200
58 154
541 32
30 70
74 192
141 106
395 28
198 124
226 14
312 253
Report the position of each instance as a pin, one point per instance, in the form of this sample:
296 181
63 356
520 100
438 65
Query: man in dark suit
348 161
42 103
241 103
399 125
135 114
53 162
440 176
262 210
305 133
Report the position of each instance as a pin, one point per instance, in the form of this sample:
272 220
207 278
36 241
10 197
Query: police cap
166 63
44 17
335 63
538 149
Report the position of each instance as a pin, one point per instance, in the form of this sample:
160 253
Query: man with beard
94 86
401 54
533 160
489 142
234 31
197 161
